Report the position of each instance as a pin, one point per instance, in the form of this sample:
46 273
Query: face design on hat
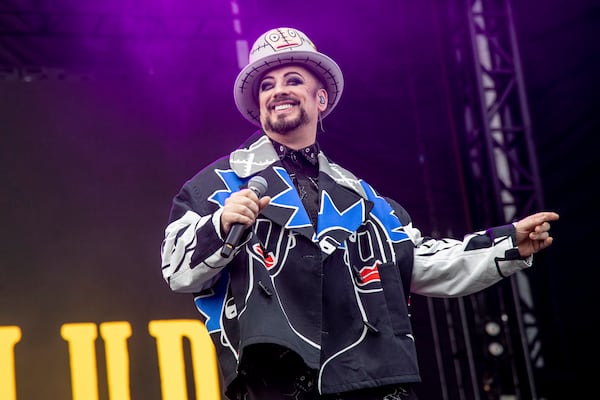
281 39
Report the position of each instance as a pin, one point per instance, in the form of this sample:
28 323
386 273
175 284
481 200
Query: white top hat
279 47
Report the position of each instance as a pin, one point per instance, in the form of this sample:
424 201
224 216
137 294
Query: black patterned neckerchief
302 166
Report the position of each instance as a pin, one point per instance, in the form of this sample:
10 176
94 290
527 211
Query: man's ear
322 96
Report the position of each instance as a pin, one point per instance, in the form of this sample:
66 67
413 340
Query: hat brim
245 91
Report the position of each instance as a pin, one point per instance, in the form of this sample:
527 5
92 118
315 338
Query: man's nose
280 88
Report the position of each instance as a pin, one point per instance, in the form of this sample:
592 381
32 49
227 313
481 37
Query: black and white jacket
336 294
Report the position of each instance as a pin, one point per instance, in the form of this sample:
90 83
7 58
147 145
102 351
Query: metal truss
498 334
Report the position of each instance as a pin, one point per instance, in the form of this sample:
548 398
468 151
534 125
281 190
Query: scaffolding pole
507 186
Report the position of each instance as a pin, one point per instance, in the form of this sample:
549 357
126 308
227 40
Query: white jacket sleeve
451 268
184 267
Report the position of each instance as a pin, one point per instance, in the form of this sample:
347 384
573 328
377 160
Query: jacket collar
257 153
343 208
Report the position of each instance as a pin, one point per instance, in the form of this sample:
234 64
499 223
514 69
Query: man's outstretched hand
533 232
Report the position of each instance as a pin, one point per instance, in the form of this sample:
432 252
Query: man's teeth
282 107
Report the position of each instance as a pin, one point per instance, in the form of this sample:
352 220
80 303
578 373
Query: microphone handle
234 236
258 185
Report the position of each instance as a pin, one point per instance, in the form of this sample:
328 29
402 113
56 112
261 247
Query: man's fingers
543 227
547 216
264 201
539 221
539 235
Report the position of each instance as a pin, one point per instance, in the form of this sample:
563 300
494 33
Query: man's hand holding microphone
241 210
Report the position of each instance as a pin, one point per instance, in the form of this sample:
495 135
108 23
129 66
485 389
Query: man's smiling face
288 98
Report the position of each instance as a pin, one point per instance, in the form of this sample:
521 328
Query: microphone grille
258 184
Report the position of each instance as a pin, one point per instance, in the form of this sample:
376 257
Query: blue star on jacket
384 212
232 183
289 198
330 218
211 302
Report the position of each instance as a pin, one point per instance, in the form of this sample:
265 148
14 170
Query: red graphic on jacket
369 274
269 259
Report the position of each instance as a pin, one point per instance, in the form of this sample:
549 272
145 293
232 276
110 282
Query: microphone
258 185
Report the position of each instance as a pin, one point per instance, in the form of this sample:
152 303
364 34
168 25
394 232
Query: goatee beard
283 125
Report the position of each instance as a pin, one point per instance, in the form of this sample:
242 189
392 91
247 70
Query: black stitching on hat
259 47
